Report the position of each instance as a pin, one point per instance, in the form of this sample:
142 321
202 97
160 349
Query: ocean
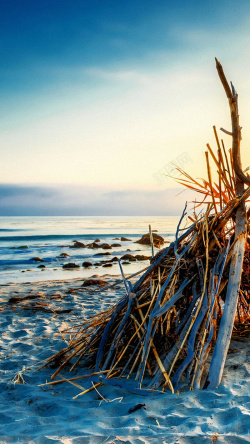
24 238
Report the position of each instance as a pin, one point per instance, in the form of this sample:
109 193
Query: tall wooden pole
227 320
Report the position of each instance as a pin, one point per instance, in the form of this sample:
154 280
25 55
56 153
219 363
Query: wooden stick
72 379
151 240
210 181
228 168
227 320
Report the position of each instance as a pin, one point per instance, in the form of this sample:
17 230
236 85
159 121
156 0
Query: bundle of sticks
172 328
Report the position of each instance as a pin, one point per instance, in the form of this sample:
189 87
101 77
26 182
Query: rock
97 264
71 265
107 265
124 239
78 245
105 246
97 240
114 259
125 263
128 249
37 259
93 245
86 264
128 257
102 254
141 257
41 266
145 240
56 295
154 231
92 282
116 238
23 247
115 245
64 255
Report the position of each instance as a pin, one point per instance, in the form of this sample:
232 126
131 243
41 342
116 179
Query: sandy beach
31 331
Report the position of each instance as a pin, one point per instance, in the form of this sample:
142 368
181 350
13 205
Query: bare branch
226 132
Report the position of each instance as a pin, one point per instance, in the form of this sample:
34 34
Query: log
227 320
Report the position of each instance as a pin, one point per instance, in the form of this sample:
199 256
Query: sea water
48 237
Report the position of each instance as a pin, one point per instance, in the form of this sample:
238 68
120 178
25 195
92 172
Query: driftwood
187 302
227 321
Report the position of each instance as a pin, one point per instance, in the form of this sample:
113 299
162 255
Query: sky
101 98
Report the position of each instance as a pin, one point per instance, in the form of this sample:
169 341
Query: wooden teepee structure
173 327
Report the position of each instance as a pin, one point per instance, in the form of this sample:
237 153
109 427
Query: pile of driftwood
173 327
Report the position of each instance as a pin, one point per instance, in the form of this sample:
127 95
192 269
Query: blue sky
101 95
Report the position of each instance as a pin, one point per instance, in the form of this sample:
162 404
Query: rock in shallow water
128 257
71 265
86 264
105 246
78 245
145 240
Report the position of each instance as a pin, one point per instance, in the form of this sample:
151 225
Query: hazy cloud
63 200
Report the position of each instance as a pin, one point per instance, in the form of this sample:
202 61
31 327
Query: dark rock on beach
115 245
124 239
86 264
141 257
92 282
78 245
41 266
107 265
105 246
93 245
128 257
71 265
102 254
97 240
145 240
37 259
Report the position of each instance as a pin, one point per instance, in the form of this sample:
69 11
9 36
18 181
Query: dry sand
30 413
